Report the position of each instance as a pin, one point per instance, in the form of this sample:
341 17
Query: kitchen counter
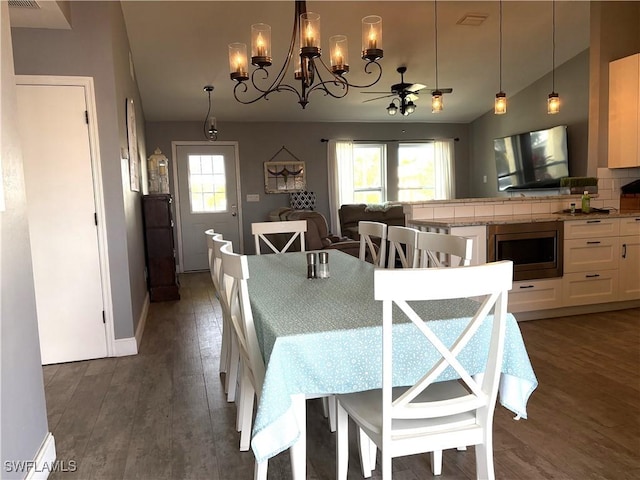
506 219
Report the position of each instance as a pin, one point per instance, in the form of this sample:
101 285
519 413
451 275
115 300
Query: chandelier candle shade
303 62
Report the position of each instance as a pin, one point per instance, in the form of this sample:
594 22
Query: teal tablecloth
324 336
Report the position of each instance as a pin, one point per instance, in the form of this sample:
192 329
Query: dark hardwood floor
162 414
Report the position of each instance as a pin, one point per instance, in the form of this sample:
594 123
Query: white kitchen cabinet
591 258
529 295
629 265
624 112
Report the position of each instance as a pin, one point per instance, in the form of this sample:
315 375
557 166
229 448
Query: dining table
321 337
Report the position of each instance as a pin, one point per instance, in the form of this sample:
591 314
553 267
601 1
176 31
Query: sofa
351 214
317 236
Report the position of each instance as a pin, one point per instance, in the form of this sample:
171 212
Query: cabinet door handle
593 221
593 242
527 286
624 250
594 275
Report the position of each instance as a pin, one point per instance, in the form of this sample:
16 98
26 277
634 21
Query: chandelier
310 72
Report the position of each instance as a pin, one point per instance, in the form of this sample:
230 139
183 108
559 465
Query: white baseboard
125 346
130 345
45 461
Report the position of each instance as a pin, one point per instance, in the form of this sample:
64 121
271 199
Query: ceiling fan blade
380 93
443 90
378 98
412 96
415 87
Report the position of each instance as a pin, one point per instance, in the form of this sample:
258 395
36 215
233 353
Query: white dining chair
209 235
444 250
229 355
368 232
429 415
403 245
296 228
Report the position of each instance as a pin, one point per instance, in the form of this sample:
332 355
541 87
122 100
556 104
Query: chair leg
368 451
342 442
232 376
298 450
224 348
331 400
484 461
436 462
246 400
260 471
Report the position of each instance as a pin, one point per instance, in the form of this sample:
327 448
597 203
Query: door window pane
369 179
207 180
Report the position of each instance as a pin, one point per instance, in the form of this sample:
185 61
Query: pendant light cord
435 21
500 62
553 46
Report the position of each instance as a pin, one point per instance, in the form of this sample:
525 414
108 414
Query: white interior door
208 197
61 211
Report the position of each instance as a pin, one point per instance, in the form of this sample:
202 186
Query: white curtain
445 171
340 171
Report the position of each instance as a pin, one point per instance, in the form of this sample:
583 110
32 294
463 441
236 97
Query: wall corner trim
125 346
142 321
44 461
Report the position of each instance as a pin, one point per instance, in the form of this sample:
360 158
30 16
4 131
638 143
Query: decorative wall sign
284 176
132 140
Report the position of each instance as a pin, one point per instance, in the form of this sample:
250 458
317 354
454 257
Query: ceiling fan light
500 107
553 103
411 107
436 101
392 109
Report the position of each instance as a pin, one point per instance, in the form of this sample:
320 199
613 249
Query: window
369 166
207 192
416 172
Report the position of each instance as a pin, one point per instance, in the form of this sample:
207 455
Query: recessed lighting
473 19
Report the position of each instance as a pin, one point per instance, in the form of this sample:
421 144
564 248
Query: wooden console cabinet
159 248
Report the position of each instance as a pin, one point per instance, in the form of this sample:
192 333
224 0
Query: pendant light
436 95
500 106
210 129
553 102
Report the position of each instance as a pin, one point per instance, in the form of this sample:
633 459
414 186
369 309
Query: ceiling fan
407 93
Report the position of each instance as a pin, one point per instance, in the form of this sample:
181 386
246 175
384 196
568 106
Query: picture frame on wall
284 176
132 142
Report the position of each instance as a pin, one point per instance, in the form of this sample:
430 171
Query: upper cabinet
624 112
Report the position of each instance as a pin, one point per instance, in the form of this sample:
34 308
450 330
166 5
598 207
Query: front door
61 208
207 197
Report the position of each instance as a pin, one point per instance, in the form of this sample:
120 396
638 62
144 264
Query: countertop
505 219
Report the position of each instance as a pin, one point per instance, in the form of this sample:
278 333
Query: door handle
234 210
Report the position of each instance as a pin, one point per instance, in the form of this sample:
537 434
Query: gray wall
527 111
23 415
258 142
97 46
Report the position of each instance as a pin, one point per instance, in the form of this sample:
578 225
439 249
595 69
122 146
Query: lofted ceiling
178 47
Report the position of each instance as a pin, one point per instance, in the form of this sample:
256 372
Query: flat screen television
536 159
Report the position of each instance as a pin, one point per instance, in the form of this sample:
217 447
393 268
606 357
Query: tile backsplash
608 196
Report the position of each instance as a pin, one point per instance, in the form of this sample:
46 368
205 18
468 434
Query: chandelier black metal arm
336 86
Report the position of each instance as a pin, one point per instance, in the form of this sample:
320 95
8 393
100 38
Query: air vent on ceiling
472 19
24 4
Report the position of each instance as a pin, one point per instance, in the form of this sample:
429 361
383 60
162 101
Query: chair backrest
403 241
216 272
367 230
235 275
297 228
490 281
444 250
209 234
